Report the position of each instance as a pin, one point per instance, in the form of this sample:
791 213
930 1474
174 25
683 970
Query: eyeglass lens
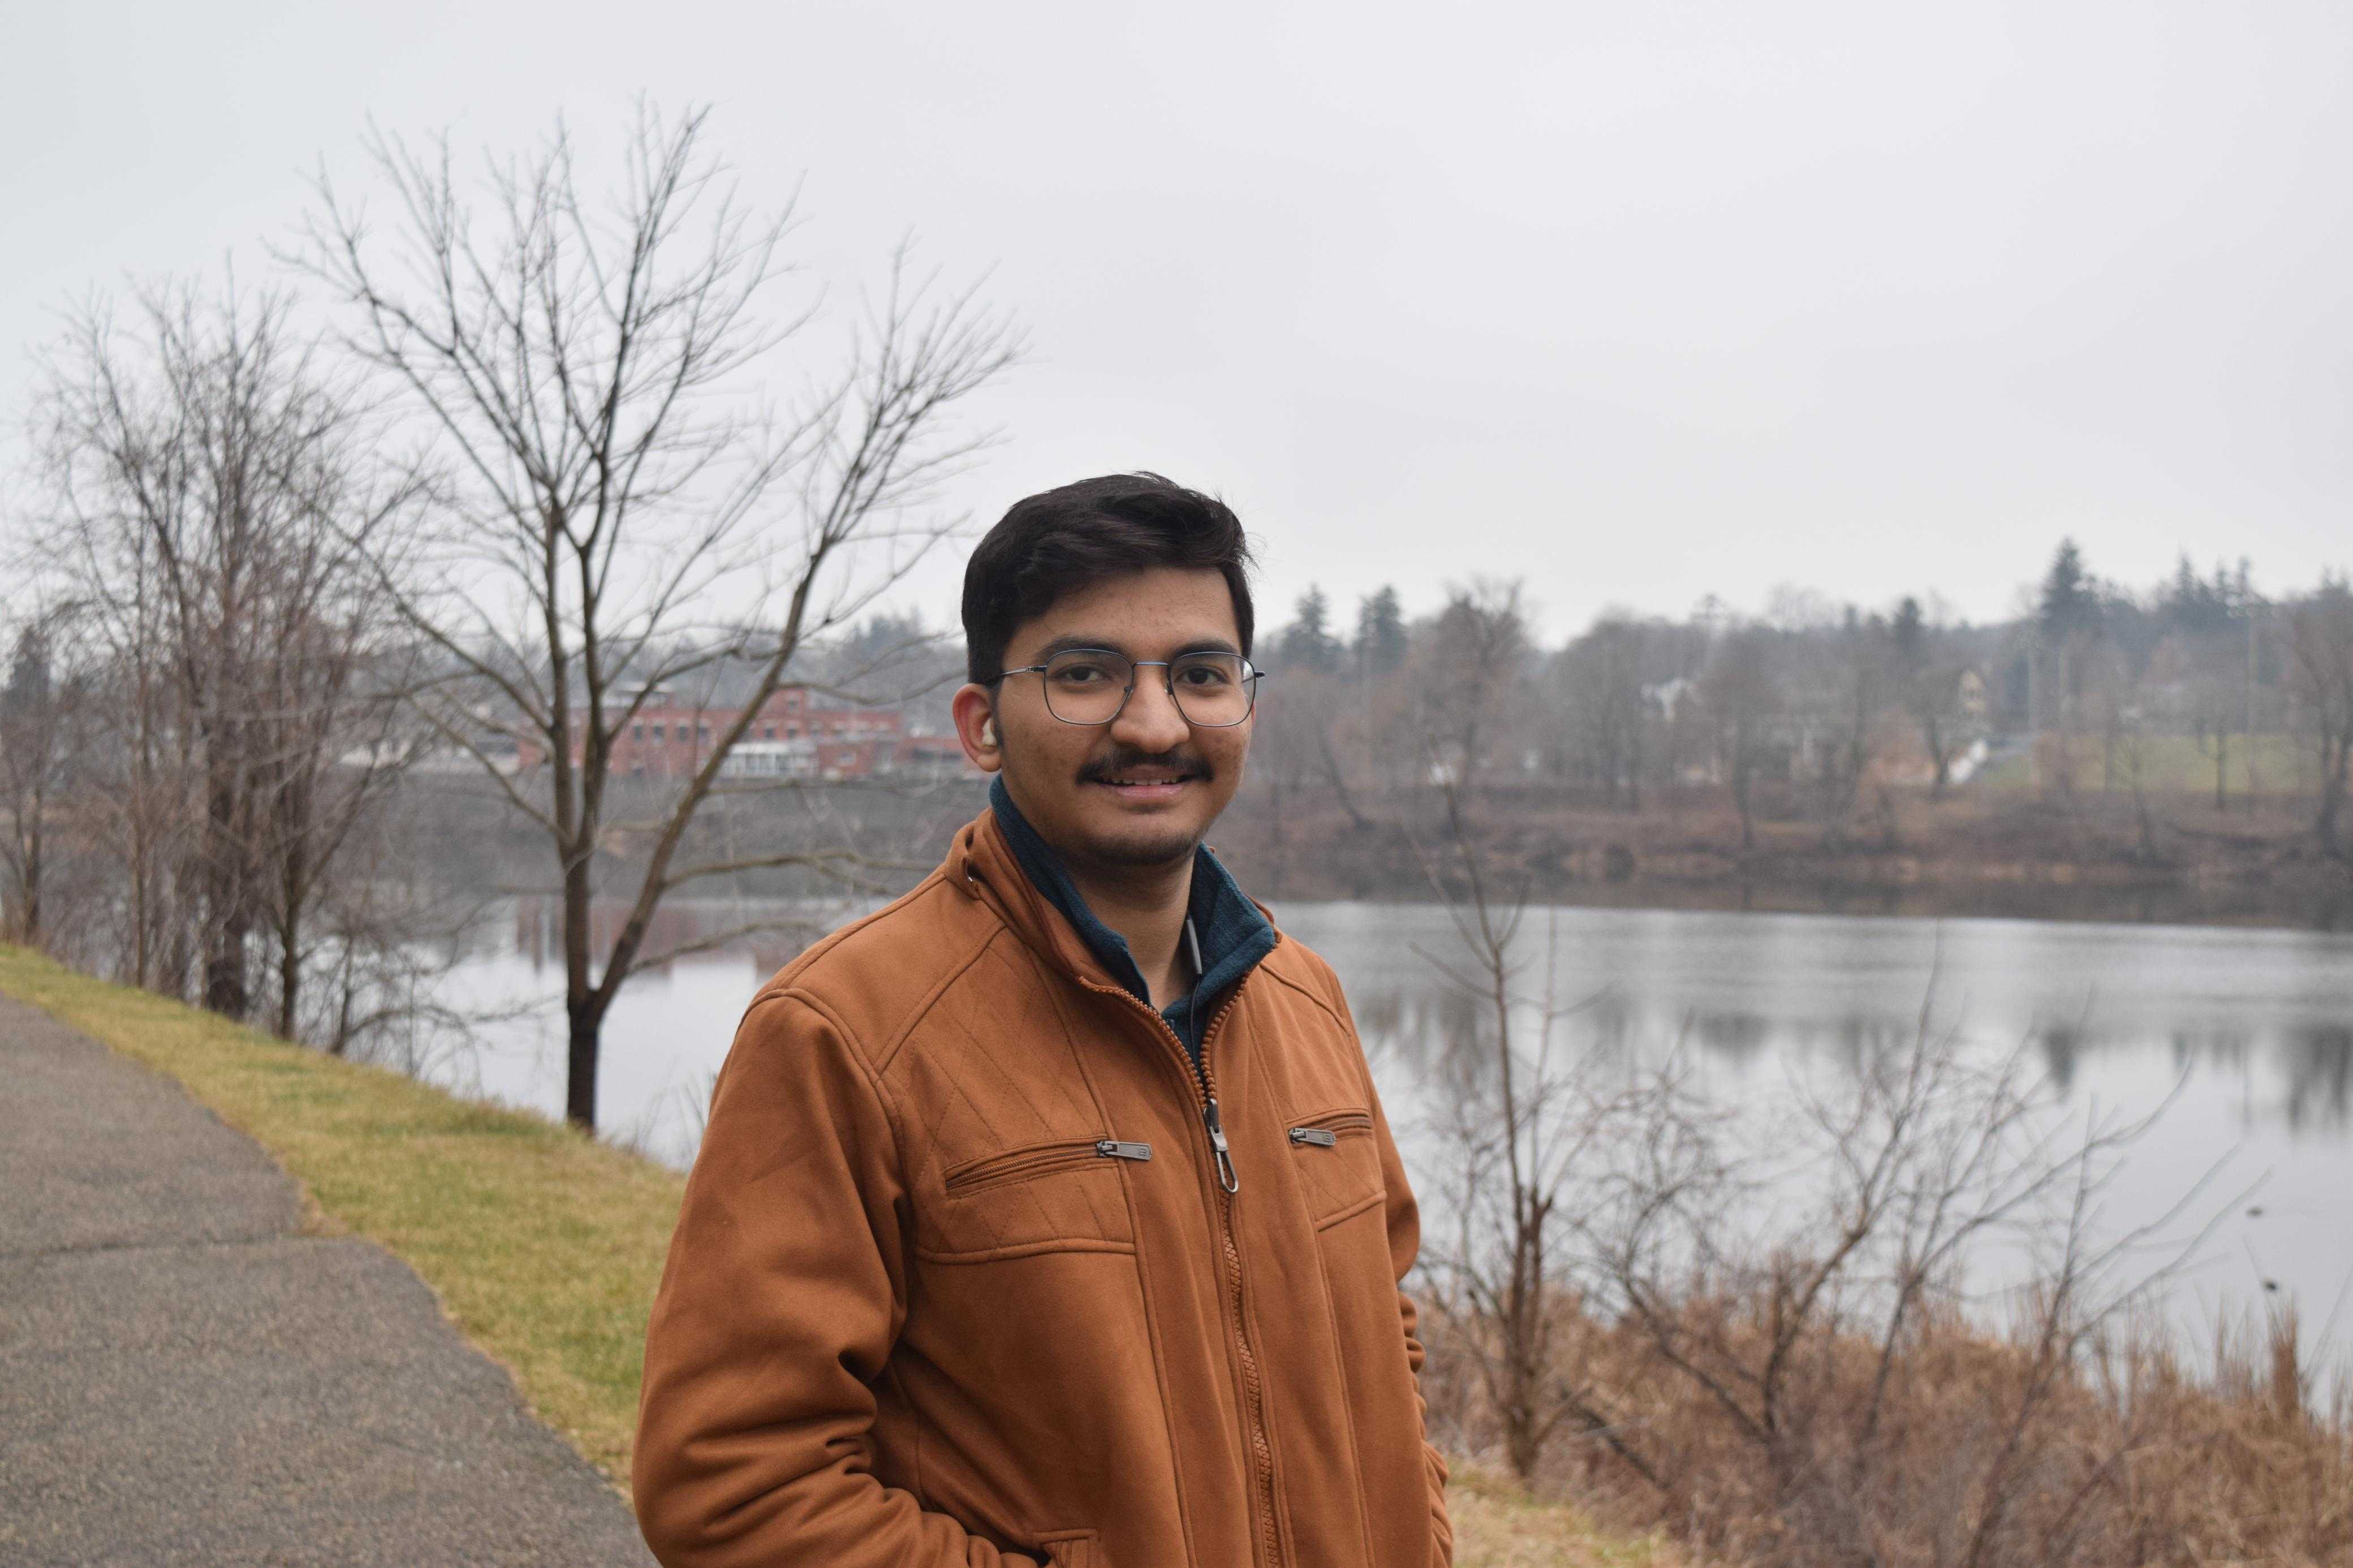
1088 686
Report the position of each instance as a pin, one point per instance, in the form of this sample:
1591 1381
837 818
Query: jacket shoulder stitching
1319 1000
878 1056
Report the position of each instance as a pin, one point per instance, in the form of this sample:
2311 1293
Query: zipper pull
1111 1148
1227 1177
1323 1135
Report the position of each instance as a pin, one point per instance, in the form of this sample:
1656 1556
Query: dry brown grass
1976 1456
1498 1524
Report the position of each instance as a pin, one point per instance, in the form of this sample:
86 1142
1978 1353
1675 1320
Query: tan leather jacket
956 1280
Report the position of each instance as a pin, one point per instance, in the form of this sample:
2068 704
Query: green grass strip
544 1245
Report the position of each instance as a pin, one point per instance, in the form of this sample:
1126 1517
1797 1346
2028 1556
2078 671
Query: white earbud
989 732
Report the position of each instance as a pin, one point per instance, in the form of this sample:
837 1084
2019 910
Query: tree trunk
225 984
1275 829
1356 819
31 934
580 1063
290 977
583 1012
2333 780
227 922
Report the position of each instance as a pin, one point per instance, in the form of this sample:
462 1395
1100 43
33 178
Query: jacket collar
1000 858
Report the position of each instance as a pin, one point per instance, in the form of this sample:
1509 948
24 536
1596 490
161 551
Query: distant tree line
1834 707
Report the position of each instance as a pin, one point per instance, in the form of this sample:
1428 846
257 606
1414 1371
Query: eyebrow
1079 640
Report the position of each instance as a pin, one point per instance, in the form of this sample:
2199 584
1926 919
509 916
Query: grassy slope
545 1247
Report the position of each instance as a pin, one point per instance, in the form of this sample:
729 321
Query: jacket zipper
1327 1130
1229 1183
1019 1162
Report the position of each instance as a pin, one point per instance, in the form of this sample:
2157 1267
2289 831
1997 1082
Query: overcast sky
1639 301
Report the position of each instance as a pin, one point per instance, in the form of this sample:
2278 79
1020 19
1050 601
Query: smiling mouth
1145 780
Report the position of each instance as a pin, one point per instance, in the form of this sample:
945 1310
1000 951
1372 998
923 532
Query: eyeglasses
1091 685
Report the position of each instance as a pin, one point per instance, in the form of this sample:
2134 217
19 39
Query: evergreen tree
29 674
1380 633
2069 599
1307 642
1911 632
2192 605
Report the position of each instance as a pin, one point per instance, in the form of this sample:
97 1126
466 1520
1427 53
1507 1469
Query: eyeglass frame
1252 674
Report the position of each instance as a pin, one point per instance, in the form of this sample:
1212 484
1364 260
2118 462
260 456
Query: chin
1155 846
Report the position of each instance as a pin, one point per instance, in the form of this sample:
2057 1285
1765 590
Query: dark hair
1059 541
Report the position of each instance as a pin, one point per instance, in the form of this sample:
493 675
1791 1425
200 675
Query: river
2254 1027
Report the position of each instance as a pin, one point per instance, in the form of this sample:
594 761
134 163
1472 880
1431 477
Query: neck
1147 905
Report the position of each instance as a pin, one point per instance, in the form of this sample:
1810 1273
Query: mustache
1126 759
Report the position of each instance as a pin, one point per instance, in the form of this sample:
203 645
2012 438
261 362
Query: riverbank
543 1245
2170 859
1986 851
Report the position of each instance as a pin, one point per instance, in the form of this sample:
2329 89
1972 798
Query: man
1048 1215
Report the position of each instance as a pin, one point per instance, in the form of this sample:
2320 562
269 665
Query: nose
1151 722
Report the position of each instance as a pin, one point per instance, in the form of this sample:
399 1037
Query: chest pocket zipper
1037 1159
1336 1163
1327 1130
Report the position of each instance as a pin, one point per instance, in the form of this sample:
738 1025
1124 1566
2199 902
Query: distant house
791 735
1973 696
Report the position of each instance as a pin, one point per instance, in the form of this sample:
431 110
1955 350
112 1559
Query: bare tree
631 512
1928 678
139 779
1742 691
1517 1124
1608 716
212 489
43 708
1835 685
1469 669
339 742
2320 642
1290 744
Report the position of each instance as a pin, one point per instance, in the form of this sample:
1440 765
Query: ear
976 723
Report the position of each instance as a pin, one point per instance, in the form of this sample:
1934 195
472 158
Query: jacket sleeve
1404 1217
783 1293
1405 1244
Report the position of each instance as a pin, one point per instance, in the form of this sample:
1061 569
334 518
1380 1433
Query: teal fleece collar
1232 933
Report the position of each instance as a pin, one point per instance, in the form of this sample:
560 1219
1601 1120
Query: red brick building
791 736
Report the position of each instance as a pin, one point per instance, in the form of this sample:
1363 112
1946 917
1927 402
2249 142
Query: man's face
1142 790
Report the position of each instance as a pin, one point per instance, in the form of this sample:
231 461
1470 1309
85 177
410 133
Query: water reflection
2319 1077
2252 1030
1747 990
2255 1026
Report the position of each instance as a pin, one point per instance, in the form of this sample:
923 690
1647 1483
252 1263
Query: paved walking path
186 1379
